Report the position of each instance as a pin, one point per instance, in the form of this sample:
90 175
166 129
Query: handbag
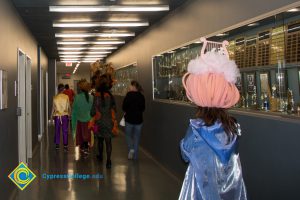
122 122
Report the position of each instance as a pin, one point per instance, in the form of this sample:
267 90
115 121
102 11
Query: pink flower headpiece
210 80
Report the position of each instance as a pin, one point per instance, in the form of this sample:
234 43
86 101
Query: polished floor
126 180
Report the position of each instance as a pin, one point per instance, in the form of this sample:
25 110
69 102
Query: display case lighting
222 34
253 24
293 10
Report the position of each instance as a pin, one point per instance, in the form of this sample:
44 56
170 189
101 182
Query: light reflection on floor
127 179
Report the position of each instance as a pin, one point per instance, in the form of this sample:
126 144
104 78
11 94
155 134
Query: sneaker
130 154
57 147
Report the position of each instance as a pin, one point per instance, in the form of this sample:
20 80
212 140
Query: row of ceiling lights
68 52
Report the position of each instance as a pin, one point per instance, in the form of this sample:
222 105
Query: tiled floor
127 179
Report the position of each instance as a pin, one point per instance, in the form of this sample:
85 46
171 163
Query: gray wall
52 84
14 35
269 170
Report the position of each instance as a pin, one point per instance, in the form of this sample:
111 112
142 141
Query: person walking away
70 93
61 113
210 144
133 107
103 110
81 116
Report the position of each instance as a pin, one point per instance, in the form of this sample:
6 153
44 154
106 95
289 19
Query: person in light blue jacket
210 144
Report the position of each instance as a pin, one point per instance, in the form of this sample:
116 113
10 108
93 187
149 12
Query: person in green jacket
81 116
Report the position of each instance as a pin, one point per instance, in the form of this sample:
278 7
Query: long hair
137 86
211 115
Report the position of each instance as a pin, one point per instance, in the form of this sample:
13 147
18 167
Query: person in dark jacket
133 107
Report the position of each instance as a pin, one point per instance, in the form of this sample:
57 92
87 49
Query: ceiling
39 20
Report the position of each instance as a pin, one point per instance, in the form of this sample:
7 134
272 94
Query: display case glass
124 76
267 54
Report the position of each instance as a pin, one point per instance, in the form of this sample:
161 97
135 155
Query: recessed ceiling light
86 48
253 24
99 24
98 42
293 10
74 35
123 8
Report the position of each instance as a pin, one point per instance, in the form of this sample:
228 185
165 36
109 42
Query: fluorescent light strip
82 56
75 35
124 8
80 60
98 42
75 69
86 48
83 52
98 24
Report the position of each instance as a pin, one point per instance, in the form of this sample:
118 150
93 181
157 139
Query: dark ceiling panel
39 20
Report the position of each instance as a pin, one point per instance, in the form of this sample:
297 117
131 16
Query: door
41 103
21 112
28 108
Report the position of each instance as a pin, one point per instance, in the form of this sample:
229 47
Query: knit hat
210 80
84 85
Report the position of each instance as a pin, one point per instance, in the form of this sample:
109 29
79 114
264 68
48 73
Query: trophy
262 106
290 102
273 99
266 102
253 99
247 100
243 101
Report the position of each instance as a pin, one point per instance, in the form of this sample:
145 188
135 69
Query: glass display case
124 76
267 53
168 69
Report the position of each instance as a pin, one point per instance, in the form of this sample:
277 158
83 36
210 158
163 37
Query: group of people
210 144
93 113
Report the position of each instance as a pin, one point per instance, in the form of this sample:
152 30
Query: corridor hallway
127 179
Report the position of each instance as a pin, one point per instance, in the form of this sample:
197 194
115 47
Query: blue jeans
133 133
